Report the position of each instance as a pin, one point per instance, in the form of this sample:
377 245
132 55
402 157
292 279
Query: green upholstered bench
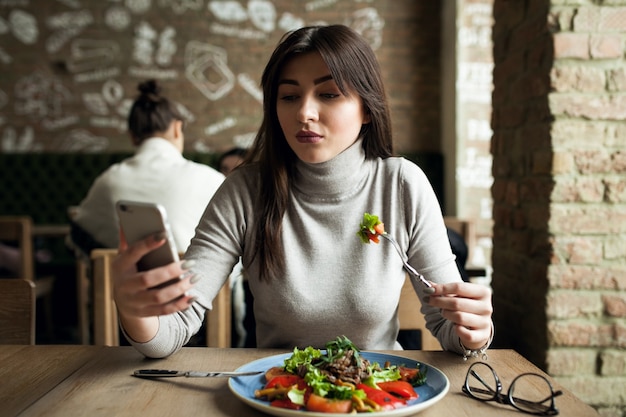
44 185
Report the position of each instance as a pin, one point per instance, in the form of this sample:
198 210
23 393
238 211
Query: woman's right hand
138 301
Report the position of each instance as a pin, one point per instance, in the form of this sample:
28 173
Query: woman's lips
308 137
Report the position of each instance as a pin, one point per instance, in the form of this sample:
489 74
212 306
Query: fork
407 266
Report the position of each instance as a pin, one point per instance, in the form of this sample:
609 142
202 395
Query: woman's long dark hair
151 112
354 68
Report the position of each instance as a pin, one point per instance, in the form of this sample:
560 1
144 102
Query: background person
157 172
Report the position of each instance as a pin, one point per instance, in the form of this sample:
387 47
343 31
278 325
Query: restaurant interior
513 109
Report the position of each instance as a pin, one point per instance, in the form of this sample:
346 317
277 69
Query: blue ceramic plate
435 389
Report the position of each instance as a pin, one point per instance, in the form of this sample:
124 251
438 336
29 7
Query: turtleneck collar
335 177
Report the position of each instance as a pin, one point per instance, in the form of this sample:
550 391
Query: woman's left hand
469 307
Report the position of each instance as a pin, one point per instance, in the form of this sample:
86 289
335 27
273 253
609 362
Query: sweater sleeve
216 249
429 249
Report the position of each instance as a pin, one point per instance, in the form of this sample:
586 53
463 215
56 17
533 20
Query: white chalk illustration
184 112
81 140
289 22
117 18
24 143
230 11
206 68
369 24
112 92
220 126
251 86
94 102
40 96
66 25
262 15
143 48
181 6
139 6
167 46
4 26
23 26
90 54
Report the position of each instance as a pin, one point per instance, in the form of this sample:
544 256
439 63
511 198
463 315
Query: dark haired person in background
323 156
157 172
231 159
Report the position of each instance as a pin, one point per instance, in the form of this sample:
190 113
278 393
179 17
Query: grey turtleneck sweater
333 284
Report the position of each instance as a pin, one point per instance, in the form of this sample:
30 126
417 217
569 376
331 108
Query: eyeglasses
531 393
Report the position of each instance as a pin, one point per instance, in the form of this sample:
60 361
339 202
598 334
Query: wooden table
73 380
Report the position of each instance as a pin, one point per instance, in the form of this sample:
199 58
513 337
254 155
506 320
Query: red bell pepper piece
382 398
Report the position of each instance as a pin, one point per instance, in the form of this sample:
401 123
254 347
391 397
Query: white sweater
333 284
157 172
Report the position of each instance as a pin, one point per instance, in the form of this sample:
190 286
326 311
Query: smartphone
139 220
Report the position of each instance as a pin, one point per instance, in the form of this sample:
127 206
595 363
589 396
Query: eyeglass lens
530 393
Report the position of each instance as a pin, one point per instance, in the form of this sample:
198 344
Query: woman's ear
178 128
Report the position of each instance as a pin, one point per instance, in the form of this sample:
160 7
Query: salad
339 380
371 227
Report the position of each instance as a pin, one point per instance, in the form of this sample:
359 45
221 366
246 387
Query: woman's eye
288 97
329 95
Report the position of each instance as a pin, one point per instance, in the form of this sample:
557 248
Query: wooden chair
467 230
18 230
17 312
106 328
411 318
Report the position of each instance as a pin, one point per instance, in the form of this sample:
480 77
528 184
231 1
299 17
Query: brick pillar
559 149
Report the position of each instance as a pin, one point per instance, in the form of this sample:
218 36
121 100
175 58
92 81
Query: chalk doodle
117 18
97 75
220 126
138 6
144 52
245 140
369 24
228 11
289 22
88 54
246 33
262 14
248 84
81 140
318 4
181 6
23 26
100 104
24 143
60 122
206 68
167 46
187 115
40 96
143 49
67 26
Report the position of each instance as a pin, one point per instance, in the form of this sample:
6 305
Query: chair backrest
106 327
411 318
17 312
466 229
17 230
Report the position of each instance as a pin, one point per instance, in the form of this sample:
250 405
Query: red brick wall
70 69
559 201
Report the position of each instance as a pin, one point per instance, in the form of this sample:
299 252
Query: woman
321 159
157 172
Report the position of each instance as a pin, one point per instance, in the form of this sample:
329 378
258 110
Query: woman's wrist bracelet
474 353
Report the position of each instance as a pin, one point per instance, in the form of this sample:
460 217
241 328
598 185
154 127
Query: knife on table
164 373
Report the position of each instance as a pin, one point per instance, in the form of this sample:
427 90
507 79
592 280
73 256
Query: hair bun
149 88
